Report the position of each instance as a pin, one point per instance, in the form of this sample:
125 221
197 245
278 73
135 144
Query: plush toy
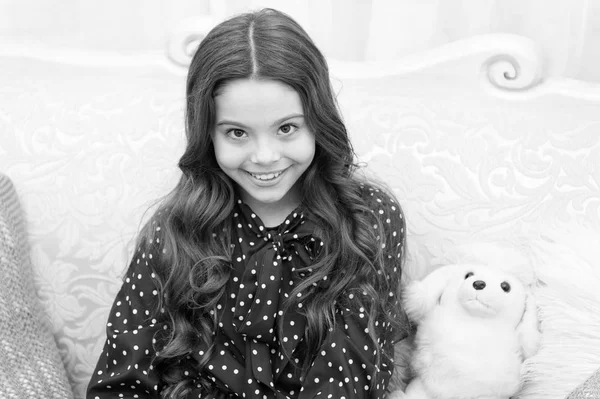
475 326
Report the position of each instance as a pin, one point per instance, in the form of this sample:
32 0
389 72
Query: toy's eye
505 286
469 275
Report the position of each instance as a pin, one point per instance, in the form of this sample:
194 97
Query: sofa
491 158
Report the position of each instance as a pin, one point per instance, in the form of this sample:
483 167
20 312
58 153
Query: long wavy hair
195 262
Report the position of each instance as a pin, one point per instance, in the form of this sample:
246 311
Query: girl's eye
288 129
236 133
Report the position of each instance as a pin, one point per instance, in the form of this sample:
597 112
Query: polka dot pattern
249 358
124 368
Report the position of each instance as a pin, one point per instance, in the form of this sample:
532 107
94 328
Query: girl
272 269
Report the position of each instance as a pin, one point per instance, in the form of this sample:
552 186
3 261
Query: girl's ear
528 330
419 297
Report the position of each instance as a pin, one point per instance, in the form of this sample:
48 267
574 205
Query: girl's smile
262 142
268 177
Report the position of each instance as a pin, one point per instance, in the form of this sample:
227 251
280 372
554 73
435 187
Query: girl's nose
266 151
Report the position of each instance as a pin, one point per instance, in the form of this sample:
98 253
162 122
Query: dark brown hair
195 238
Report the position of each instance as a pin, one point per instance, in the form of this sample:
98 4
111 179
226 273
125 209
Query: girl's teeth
269 176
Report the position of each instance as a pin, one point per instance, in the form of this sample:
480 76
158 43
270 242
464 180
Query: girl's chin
273 196
258 199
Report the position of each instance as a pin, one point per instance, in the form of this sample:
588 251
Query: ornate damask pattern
90 147
467 165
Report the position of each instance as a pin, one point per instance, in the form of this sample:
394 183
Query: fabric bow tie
250 355
264 271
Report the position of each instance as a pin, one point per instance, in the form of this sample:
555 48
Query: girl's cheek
305 149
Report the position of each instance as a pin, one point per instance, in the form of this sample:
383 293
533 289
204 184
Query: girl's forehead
256 88
256 101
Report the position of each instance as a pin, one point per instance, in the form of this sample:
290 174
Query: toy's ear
419 297
528 329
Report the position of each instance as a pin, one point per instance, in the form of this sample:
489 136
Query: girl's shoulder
153 229
386 214
151 239
379 198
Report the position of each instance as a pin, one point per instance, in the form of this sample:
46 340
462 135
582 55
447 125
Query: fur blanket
567 269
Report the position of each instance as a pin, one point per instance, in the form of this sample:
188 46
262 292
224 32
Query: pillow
589 389
31 366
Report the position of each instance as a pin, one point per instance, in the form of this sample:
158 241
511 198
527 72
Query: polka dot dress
249 358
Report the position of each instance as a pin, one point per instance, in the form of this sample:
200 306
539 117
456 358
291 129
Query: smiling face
262 142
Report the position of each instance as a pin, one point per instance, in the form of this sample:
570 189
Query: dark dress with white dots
249 356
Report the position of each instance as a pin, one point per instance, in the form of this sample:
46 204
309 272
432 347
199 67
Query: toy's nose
478 284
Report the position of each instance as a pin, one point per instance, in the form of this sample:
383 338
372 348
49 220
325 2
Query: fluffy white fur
567 264
472 334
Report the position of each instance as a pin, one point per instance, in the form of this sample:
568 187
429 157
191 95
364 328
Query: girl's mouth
266 176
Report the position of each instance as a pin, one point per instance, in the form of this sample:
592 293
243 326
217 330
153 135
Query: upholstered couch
491 159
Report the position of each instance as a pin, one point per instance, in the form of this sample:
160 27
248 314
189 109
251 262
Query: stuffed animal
475 327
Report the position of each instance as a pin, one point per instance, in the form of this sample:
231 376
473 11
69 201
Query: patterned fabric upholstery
31 366
590 389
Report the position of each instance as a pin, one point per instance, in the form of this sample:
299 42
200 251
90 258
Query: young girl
272 269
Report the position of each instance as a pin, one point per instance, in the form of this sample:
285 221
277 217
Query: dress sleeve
394 241
347 361
124 367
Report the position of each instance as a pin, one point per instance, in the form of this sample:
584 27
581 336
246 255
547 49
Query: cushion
590 389
31 366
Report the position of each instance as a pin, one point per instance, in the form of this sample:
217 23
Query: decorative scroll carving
515 64
507 72
507 62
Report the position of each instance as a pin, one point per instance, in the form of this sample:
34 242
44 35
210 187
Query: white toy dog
475 326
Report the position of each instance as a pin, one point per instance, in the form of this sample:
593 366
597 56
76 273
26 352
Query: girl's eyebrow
285 118
277 122
227 122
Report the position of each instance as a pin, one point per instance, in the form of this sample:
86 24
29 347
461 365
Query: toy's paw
529 333
396 395
414 303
